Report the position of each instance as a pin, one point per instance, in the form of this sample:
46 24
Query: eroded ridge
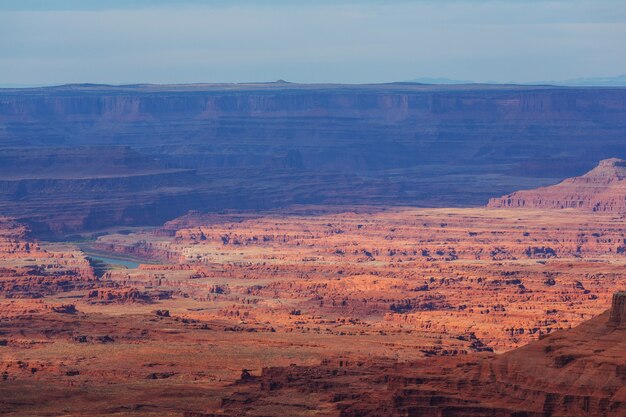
29 269
603 189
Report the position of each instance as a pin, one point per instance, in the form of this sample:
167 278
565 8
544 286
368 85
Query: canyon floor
217 306
316 287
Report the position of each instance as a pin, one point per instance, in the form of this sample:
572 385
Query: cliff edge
617 316
603 189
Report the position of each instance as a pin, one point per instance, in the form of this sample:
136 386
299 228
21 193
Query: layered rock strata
617 316
603 189
573 373
260 146
30 269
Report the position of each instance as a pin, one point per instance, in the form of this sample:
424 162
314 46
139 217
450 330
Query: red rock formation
603 189
30 269
122 295
404 305
618 310
572 373
507 277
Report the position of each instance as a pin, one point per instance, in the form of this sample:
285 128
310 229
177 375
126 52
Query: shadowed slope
572 373
259 146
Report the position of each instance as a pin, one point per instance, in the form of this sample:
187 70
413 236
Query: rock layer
505 276
617 316
30 269
572 373
61 190
602 189
259 146
383 312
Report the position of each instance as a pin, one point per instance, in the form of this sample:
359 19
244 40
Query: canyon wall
255 146
29 269
329 127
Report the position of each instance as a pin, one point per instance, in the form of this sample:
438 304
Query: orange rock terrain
576 372
318 310
28 269
333 295
505 277
603 189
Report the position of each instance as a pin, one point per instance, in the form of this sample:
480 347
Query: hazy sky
158 41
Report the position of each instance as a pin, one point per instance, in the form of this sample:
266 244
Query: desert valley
445 271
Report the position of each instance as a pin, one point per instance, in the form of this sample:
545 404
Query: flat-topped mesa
612 162
612 169
603 189
617 316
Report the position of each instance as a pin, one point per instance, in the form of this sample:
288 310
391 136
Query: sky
45 42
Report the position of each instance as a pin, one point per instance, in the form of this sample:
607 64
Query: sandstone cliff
329 127
30 269
603 189
617 316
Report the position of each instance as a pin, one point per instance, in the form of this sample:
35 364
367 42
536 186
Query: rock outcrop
125 295
30 269
617 316
603 189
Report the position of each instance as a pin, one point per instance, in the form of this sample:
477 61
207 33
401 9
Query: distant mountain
618 81
14 85
439 80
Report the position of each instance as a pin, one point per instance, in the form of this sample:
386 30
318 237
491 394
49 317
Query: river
114 261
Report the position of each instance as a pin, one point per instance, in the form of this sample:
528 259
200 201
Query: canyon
210 147
57 190
31 270
324 310
283 249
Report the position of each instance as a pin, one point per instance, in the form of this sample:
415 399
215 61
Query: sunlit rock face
603 189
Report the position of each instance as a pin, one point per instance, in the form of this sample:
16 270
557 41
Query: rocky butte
617 317
603 189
